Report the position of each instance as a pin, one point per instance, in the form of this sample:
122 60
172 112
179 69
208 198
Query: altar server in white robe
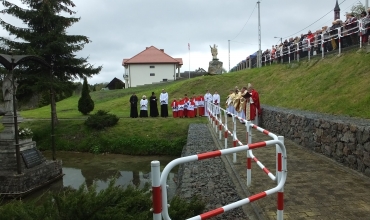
144 107
207 98
216 102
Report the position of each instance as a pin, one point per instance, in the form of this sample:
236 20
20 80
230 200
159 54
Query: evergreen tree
46 36
85 103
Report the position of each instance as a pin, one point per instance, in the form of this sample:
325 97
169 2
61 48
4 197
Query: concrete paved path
316 188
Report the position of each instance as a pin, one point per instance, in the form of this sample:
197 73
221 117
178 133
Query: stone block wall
343 139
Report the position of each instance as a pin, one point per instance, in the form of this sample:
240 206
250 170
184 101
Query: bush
114 202
85 103
101 120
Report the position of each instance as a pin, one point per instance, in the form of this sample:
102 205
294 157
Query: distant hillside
334 85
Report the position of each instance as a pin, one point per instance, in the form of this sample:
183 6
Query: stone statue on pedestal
214 51
8 93
215 66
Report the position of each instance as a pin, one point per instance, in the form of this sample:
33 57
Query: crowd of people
352 31
312 41
244 103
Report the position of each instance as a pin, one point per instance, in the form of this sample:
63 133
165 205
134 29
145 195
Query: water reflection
89 169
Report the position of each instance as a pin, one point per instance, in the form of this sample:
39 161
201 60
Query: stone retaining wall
344 139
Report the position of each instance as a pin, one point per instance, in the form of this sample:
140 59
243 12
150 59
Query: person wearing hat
163 98
143 107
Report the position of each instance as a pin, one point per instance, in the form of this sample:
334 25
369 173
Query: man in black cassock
153 106
133 101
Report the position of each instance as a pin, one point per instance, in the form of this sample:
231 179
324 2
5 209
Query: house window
151 66
152 74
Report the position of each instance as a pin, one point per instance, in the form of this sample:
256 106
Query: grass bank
150 136
334 85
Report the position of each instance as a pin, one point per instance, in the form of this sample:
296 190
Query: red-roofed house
150 66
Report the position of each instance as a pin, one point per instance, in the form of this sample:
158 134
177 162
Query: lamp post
281 39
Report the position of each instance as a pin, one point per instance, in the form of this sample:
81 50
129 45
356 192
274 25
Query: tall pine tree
46 36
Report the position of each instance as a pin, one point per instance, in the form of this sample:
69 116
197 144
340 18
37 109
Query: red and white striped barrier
250 156
163 178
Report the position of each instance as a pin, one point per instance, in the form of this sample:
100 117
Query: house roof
112 83
151 55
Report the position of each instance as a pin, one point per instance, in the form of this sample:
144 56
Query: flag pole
189 58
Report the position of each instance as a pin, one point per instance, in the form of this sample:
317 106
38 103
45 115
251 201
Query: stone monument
215 66
22 166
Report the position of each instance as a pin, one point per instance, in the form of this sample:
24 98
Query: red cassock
186 102
255 105
191 109
174 108
201 105
195 100
180 109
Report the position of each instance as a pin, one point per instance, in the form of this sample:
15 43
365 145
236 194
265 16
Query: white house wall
140 73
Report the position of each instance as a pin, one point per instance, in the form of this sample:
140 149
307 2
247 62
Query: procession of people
244 103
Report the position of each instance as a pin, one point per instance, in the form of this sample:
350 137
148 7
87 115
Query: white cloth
207 98
144 104
216 101
163 98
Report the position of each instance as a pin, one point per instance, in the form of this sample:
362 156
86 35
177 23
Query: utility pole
367 6
229 55
259 54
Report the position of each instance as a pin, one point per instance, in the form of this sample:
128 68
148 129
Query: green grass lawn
334 85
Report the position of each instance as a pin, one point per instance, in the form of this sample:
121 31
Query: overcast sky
121 29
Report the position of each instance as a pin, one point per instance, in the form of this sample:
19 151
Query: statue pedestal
215 67
36 170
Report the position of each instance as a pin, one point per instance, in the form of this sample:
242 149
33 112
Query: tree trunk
53 104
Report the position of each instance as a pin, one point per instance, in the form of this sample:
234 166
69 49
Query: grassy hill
334 85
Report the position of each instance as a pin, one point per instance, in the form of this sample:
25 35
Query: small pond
86 168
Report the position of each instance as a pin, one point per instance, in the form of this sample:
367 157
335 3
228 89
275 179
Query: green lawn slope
334 85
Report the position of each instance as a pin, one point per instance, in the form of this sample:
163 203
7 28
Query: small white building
150 66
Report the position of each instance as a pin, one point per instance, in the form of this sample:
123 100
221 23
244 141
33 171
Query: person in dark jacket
153 106
133 106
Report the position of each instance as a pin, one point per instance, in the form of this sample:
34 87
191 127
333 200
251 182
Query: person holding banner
207 98
174 106
216 101
201 105
164 103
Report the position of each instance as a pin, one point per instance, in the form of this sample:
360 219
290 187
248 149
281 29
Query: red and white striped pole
280 194
249 158
156 190
225 131
220 125
234 138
